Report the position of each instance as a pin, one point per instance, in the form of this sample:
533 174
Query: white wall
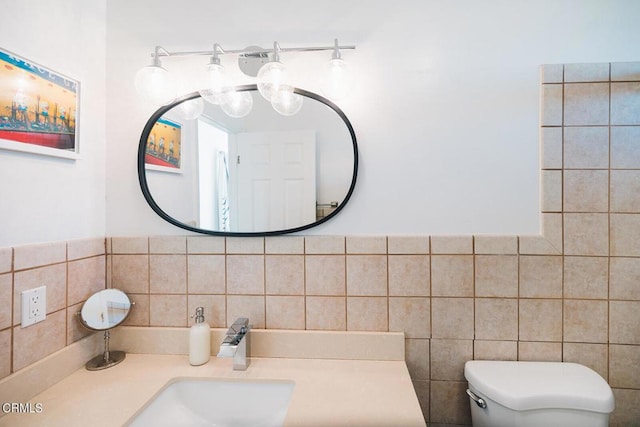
44 198
445 108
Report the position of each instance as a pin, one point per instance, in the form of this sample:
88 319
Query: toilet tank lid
539 385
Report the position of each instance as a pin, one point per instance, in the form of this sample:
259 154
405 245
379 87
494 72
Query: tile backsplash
570 294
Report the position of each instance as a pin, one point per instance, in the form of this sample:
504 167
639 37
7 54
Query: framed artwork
38 108
164 146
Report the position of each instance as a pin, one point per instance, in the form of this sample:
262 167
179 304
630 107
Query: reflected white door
275 174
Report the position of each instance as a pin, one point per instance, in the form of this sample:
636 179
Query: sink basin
216 402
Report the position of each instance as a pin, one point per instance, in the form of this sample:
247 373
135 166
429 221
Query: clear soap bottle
199 340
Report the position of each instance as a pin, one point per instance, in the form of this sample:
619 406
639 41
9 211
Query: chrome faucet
236 344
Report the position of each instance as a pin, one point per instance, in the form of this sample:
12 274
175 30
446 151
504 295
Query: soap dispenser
199 340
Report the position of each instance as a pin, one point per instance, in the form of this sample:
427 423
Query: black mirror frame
145 187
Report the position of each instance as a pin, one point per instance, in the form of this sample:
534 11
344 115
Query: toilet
537 394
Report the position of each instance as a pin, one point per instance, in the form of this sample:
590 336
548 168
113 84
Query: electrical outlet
34 306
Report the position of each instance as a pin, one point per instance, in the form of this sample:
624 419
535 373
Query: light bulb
214 83
338 79
155 84
237 104
286 102
191 109
270 77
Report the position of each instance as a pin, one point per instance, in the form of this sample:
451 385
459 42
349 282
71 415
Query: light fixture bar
162 52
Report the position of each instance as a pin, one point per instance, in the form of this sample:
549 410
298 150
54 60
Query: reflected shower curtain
223 191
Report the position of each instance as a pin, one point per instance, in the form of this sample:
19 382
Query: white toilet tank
537 394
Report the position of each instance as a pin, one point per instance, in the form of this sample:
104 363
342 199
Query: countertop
327 392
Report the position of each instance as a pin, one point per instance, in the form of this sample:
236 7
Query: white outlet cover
34 306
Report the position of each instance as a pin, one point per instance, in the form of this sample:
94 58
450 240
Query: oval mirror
105 310
262 174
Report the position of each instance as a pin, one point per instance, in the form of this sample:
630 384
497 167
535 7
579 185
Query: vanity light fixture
155 84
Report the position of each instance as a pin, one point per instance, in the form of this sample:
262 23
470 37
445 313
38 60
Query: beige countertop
328 392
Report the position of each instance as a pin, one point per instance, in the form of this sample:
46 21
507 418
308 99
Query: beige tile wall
72 271
571 294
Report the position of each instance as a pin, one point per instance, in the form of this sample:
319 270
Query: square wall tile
168 310
367 275
324 244
540 351
452 318
285 312
586 190
84 248
448 358
85 277
130 273
540 276
495 350
325 275
586 104
417 358
593 356
496 319
54 277
6 260
5 353
409 275
206 274
496 276
551 73
551 105
623 364
411 315
586 277
540 320
625 147
251 306
408 245
625 191
625 234
449 403
451 245
627 412
367 314
624 278
141 310
586 147
625 103
452 275
284 274
422 388
551 148
75 330
215 312
38 255
129 245
624 322
585 321
366 244
205 245
168 274
245 274
586 234
326 313
39 340
592 72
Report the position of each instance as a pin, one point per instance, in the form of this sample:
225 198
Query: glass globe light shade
286 102
338 79
237 104
270 77
155 84
214 83
191 109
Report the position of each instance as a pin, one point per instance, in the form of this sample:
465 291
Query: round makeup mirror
103 311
